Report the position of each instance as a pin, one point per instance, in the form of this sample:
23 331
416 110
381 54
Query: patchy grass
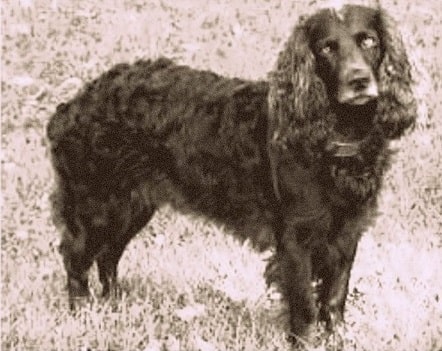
188 286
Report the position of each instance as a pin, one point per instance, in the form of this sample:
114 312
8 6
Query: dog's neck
354 124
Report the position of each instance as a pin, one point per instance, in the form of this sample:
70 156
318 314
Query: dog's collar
344 149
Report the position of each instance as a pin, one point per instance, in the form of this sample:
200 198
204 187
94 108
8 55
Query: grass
187 285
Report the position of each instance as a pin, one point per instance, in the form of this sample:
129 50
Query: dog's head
342 77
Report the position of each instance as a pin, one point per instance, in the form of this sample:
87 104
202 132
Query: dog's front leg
335 276
304 220
291 270
296 277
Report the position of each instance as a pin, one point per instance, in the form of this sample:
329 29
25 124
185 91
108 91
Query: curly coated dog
301 156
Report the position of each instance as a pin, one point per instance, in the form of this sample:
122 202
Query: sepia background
187 285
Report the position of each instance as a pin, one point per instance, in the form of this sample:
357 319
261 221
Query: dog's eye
329 48
368 43
326 50
326 47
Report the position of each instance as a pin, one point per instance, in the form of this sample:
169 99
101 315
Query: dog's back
151 133
156 120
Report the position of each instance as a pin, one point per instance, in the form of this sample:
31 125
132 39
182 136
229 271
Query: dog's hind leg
97 227
84 232
77 261
134 212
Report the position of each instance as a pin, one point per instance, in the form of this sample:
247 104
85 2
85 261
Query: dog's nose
358 85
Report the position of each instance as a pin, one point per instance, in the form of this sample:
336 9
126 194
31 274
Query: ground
51 47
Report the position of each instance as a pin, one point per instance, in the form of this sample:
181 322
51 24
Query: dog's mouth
360 100
358 89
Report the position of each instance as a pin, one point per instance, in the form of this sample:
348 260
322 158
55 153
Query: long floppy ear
297 96
397 107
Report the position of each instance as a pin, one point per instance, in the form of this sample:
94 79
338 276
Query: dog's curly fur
262 157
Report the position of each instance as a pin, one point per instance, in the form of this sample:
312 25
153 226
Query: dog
295 162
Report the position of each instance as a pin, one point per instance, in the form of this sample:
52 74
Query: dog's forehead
322 24
349 18
359 16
